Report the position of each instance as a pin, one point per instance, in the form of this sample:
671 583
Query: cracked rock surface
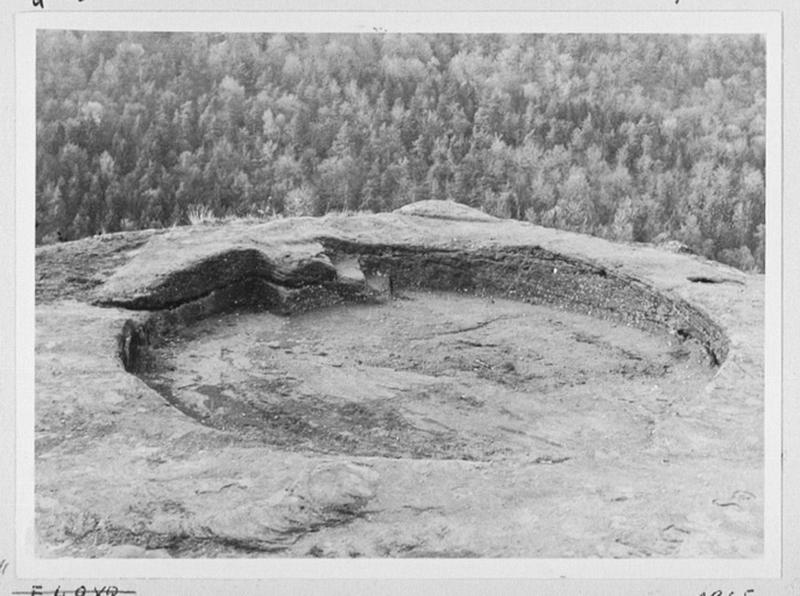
427 383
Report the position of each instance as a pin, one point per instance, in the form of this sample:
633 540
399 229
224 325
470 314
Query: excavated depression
405 351
421 375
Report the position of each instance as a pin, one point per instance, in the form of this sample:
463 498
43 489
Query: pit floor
430 375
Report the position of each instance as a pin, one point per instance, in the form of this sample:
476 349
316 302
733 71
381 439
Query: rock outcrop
192 489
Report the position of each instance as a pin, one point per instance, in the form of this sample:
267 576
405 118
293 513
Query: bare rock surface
432 382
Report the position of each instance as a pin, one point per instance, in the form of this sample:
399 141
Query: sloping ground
168 484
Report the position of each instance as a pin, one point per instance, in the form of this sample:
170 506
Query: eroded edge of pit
352 272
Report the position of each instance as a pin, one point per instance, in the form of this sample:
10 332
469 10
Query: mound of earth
428 383
445 210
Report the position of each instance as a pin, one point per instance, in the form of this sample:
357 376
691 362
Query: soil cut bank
431 382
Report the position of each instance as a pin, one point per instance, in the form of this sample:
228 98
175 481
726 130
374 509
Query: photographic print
400 295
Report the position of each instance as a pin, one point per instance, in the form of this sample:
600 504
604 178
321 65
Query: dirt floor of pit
430 375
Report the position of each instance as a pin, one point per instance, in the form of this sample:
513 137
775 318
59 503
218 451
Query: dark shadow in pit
702 279
320 425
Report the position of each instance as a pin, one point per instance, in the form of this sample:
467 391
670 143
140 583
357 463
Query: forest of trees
631 137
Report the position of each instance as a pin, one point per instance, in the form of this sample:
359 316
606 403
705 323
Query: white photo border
767 23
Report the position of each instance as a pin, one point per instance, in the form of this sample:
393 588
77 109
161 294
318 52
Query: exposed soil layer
353 272
539 276
433 383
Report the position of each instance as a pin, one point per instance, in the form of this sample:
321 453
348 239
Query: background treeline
630 137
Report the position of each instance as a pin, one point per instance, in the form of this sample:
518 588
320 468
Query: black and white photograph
394 294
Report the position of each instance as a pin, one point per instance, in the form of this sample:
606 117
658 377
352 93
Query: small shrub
200 214
300 201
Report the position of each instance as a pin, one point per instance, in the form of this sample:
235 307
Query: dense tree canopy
630 137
